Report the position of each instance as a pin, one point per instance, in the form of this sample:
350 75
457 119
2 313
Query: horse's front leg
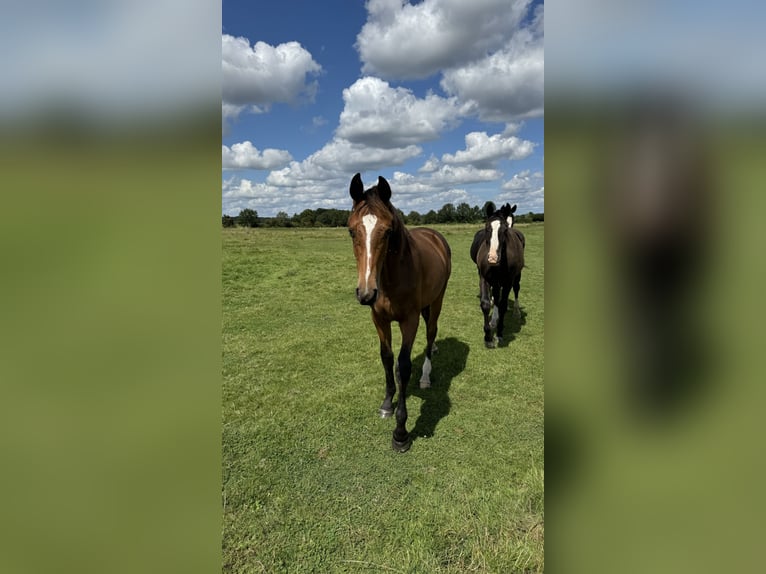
502 307
401 440
516 288
486 307
387 358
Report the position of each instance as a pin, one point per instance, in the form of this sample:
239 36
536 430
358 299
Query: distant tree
281 219
430 217
323 217
414 218
248 218
446 214
463 213
306 218
228 221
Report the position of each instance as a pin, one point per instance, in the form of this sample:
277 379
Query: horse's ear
356 190
506 210
513 209
384 190
489 209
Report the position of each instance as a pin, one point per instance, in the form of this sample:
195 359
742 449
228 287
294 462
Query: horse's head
495 233
374 228
509 211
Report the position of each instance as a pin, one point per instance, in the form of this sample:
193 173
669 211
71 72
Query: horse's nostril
367 298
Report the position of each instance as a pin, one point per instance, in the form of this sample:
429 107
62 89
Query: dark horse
498 251
401 274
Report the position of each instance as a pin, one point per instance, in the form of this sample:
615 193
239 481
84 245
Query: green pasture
310 482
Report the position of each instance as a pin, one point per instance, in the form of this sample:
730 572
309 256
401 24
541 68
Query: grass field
310 482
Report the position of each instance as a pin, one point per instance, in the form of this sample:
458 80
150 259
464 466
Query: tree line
321 217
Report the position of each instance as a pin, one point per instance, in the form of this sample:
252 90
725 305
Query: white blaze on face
369 222
494 242
509 219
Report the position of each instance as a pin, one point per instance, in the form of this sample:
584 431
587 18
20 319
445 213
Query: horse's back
515 250
477 240
434 254
520 236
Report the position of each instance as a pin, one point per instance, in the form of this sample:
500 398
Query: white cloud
263 74
246 156
108 61
448 175
485 151
401 40
378 115
267 199
432 164
346 157
525 188
507 84
524 181
337 159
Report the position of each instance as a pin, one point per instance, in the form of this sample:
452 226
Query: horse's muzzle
367 297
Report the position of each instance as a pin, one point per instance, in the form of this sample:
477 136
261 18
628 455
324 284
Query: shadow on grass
512 325
448 362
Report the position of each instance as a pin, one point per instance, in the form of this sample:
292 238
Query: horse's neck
399 259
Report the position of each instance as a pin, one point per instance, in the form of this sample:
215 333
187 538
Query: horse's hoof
401 446
385 413
425 384
499 341
489 344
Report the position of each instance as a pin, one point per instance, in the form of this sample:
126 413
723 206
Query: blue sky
444 98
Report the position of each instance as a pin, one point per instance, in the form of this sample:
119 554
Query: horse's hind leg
387 358
502 306
431 316
516 288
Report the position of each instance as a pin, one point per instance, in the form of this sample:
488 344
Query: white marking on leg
425 380
516 308
494 318
369 222
494 242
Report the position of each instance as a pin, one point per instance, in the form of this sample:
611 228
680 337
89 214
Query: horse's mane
399 234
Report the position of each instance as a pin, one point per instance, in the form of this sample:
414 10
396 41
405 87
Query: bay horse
498 252
401 274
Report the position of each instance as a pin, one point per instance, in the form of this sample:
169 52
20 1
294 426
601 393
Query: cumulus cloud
262 74
246 156
509 83
525 188
490 52
378 115
402 40
107 62
432 164
485 151
336 160
346 157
